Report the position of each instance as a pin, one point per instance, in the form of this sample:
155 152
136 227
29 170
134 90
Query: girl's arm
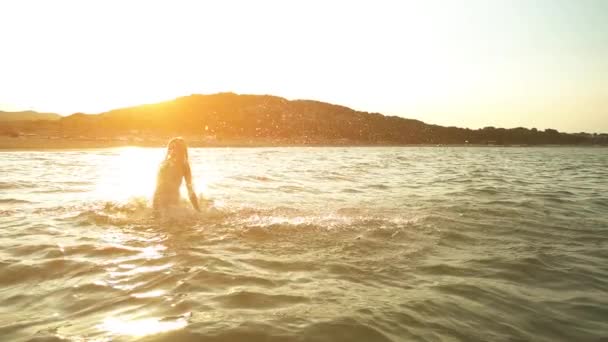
190 187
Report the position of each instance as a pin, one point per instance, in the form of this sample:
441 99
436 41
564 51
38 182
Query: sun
131 172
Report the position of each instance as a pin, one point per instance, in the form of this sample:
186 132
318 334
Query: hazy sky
468 63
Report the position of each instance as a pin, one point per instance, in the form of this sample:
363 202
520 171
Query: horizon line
63 115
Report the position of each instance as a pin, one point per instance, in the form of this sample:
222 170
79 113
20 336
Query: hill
226 118
27 116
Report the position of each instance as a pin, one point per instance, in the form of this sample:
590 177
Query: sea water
307 244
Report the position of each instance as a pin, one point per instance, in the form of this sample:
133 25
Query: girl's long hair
179 145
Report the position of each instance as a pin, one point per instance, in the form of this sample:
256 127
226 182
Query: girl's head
177 149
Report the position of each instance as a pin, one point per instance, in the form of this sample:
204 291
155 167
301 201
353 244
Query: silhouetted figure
175 167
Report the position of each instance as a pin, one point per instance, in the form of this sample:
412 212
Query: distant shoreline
28 143
233 120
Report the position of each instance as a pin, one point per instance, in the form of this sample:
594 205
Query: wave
137 211
17 184
59 191
258 300
13 201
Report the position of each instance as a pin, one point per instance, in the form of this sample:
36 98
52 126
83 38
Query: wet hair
179 146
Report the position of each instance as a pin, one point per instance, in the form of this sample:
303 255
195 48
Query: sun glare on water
141 327
130 173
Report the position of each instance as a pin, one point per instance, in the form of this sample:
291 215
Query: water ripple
325 244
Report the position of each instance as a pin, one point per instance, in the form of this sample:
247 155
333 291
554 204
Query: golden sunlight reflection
132 173
149 294
153 252
141 327
141 269
121 271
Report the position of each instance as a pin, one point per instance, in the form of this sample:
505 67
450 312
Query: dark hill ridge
27 116
232 116
226 117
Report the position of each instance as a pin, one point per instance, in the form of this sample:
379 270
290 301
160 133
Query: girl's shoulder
171 164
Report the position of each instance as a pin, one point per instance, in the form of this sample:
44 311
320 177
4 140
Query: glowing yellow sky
468 63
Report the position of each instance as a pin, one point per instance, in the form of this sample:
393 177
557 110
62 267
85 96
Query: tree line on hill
232 116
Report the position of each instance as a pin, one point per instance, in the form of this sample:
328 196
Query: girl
175 167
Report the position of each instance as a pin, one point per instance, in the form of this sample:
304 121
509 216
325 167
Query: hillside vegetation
228 116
